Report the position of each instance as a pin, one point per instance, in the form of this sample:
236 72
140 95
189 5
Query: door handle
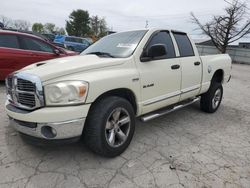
197 63
175 67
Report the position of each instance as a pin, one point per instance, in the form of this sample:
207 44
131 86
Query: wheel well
123 93
218 76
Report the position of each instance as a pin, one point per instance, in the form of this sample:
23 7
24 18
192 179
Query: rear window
184 44
8 41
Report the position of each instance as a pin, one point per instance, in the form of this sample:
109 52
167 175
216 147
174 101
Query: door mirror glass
154 52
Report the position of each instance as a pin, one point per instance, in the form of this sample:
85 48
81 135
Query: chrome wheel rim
217 98
117 127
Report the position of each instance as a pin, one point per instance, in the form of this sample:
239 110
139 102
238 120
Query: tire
108 132
211 100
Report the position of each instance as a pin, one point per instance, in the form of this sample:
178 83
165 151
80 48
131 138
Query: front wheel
110 126
211 100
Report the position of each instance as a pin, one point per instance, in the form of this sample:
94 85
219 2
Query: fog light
48 132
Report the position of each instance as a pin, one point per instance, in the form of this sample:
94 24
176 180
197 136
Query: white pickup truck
97 95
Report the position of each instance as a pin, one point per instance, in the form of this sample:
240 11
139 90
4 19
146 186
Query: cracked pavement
187 148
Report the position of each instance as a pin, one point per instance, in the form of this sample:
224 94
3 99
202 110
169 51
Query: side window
9 41
68 39
184 45
35 45
164 38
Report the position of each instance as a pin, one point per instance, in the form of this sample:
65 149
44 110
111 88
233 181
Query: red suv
18 50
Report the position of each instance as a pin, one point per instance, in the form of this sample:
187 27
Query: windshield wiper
101 54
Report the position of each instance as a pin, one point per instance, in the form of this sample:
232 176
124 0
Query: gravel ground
187 148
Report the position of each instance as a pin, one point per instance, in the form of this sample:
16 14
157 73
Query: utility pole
146 26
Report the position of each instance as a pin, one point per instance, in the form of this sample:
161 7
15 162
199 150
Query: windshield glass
118 45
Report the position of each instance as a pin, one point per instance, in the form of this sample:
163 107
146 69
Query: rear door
190 66
12 57
40 50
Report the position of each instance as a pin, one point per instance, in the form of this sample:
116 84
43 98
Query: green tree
37 27
49 27
78 23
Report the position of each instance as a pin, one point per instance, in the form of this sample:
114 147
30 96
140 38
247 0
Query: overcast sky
120 14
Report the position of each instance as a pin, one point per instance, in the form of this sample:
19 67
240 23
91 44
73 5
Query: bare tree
5 21
228 28
98 26
21 25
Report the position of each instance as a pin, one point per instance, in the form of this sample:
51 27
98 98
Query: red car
18 50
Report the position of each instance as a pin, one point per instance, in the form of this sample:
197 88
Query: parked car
28 32
49 36
18 50
61 45
142 73
90 40
76 44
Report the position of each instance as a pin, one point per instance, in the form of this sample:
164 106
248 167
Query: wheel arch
120 92
218 76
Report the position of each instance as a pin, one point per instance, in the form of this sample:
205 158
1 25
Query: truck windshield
119 45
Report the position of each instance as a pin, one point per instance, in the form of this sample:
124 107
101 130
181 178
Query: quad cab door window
160 72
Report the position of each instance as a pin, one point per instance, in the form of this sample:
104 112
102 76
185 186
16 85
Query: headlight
66 93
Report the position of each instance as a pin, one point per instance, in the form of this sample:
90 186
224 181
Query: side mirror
154 52
57 52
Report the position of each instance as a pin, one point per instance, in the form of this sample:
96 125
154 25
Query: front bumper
50 123
50 131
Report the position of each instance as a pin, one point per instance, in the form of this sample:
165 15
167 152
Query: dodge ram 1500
98 94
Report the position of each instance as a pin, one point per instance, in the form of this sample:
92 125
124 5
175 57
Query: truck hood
55 68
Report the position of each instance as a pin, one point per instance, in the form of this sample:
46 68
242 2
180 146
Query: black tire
95 131
207 100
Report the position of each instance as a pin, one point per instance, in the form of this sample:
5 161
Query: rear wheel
110 126
211 100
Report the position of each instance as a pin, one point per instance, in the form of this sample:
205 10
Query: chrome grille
25 91
27 99
24 85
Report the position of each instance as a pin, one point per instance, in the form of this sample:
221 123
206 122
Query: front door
161 78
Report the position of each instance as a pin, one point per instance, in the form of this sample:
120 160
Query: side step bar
162 112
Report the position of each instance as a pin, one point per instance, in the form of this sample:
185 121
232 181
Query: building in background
244 45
